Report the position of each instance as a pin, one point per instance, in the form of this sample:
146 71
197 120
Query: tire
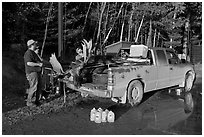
188 103
135 92
188 82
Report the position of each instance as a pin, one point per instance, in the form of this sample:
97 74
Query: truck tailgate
89 88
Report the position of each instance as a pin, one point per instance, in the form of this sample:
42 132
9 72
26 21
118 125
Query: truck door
162 69
150 72
174 67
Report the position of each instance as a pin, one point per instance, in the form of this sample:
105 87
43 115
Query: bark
135 31
121 34
122 28
100 21
186 44
155 34
86 16
138 32
130 25
158 38
105 25
149 39
142 38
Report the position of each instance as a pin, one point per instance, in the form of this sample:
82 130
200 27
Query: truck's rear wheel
135 92
188 82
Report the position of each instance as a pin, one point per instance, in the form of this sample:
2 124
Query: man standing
33 67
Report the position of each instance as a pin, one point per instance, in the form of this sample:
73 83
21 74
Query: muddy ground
159 113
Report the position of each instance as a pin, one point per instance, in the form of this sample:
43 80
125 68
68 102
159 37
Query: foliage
26 20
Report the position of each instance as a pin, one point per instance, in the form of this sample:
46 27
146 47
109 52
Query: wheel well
188 72
191 73
139 79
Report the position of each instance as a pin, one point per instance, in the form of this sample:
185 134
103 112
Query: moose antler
87 46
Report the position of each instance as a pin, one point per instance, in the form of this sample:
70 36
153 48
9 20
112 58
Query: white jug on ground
111 116
104 116
92 114
98 116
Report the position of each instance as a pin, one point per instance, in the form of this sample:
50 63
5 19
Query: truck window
172 57
149 56
161 57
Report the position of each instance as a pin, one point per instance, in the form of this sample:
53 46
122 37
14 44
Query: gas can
92 114
98 116
111 116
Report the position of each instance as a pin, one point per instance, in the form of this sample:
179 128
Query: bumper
89 89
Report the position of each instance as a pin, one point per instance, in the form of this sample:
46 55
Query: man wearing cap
33 67
79 56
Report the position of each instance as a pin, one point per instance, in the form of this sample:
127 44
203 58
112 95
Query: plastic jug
104 116
98 116
92 114
100 110
111 116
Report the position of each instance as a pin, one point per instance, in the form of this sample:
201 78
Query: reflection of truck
146 69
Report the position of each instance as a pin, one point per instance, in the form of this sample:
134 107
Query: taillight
110 82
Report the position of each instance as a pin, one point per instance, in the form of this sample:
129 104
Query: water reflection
171 113
188 103
158 113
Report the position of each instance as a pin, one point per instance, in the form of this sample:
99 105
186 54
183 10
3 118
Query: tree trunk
130 25
86 17
145 39
105 25
186 39
158 39
135 31
138 32
121 34
155 34
142 37
46 27
100 21
122 28
149 39
113 24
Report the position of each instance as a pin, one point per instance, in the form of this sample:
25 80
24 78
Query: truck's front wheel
188 82
135 92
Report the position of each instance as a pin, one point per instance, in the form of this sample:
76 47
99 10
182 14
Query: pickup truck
126 79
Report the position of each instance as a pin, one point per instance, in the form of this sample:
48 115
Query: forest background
157 24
